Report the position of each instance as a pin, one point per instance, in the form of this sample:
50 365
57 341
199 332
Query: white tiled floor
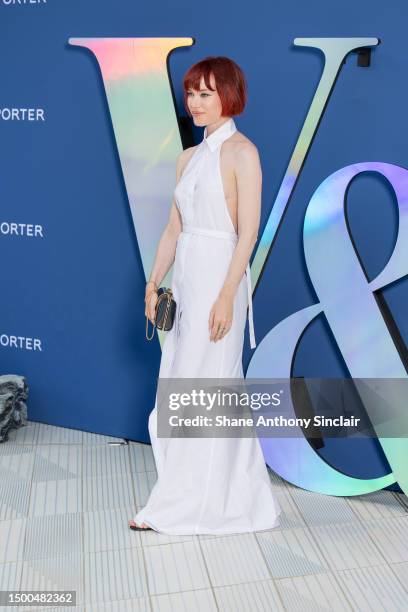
65 500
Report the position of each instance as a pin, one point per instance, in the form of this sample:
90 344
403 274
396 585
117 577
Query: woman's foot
134 526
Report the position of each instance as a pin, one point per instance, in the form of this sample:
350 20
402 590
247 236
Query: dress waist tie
212 233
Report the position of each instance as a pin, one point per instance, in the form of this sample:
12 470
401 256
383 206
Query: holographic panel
138 91
347 301
334 50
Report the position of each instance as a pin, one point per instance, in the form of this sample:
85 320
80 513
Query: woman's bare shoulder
239 143
242 149
183 159
185 156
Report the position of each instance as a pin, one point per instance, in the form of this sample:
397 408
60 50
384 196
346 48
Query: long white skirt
206 485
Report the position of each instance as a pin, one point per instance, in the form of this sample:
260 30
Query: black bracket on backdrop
363 56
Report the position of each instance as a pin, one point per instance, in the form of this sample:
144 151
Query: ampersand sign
346 298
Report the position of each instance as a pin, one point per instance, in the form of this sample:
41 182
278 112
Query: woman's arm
249 186
166 249
248 174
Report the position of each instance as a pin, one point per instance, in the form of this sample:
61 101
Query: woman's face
204 104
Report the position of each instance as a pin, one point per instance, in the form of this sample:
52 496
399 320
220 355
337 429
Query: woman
209 485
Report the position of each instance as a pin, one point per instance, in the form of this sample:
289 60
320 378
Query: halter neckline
220 134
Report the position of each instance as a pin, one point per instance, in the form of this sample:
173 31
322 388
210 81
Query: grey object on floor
13 408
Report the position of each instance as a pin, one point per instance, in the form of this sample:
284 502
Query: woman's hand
150 304
221 314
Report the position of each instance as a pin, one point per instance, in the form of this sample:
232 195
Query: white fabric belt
191 229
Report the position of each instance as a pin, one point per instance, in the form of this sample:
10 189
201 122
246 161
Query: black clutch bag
165 311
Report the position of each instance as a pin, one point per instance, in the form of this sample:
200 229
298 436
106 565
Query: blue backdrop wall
72 313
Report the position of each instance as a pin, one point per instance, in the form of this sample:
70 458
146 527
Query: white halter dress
206 485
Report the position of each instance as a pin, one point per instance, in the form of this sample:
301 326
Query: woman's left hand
221 314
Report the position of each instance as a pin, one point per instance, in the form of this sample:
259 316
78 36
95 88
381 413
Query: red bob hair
229 81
